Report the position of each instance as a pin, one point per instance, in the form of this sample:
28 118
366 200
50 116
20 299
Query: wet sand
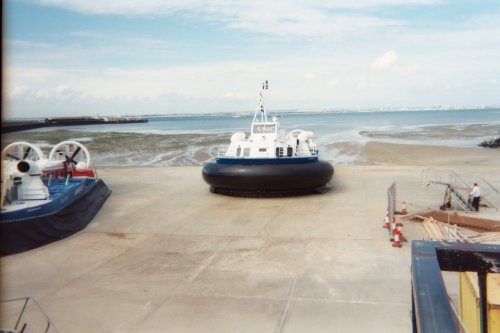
383 153
164 254
405 154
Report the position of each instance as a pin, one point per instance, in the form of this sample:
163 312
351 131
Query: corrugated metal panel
469 302
494 302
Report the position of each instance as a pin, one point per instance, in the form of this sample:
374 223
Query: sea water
194 139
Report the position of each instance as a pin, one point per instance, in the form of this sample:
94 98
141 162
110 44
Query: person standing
475 194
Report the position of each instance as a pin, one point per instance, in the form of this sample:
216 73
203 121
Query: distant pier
22 125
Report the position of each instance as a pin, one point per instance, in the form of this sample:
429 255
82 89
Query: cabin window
262 150
264 128
246 152
238 151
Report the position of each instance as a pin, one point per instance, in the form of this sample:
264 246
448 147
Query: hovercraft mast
261 109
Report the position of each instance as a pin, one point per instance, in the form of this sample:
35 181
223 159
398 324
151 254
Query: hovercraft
268 163
46 199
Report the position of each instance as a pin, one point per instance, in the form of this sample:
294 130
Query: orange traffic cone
399 232
386 221
394 226
397 242
404 211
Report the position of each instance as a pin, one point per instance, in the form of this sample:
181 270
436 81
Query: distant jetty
22 125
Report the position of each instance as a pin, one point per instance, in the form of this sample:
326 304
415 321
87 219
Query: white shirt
475 192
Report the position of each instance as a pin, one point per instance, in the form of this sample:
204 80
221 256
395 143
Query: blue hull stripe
281 160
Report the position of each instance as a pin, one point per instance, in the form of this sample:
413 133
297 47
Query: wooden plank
441 231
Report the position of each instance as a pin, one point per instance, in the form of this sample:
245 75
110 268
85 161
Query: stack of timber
441 231
470 222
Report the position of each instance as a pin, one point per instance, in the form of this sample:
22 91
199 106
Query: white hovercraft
268 162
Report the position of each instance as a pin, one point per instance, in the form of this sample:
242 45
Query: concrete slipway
165 255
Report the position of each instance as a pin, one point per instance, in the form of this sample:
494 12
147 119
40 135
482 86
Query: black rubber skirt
19 236
262 180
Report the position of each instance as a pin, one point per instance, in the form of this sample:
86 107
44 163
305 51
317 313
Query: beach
165 254
349 138
398 154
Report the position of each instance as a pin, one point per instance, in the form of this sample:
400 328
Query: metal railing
304 152
221 151
24 314
431 175
314 151
457 187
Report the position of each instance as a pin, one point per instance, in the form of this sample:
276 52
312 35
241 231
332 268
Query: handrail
451 179
453 183
50 325
222 150
466 205
490 185
306 152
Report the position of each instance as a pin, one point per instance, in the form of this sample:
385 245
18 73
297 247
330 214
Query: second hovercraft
268 162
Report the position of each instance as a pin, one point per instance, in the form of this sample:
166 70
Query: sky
136 57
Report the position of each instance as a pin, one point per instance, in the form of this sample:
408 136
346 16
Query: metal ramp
457 190
452 195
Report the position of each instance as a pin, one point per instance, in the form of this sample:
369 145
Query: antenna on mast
263 115
261 109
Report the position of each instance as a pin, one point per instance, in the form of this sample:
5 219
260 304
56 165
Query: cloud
163 7
389 61
310 76
333 83
61 92
86 47
386 61
407 70
14 91
65 92
119 7
235 95
113 71
280 18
